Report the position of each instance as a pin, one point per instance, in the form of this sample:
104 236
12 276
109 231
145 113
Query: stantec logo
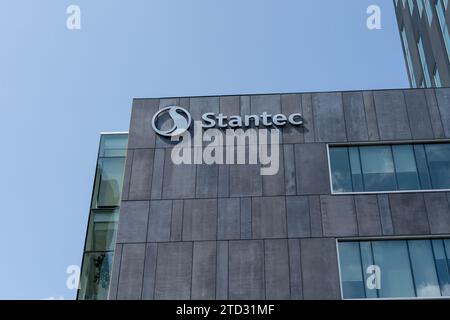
181 121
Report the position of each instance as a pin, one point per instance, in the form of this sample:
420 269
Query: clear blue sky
60 88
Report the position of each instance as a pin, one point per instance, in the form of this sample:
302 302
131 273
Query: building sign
182 120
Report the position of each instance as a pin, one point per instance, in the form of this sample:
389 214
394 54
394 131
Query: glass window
438 156
381 168
393 261
403 268
110 179
423 61
408 58
352 277
429 11
102 230
355 166
443 25
94 282
423 267
378 168
420 7
103 218
405 167
340 169
437 78
411 6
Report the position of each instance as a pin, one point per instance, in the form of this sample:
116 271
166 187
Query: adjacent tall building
423 26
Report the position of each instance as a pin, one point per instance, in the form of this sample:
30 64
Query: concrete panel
387 226
274 185
230 105
419 117
269 218
133 221
319 268
148 289
141 134
311 167
246 218
268 103
127 175
276 266
409 214
298 220
246 270
245 105
392 117
443 99
159 223
173 271
329 118
200 219
438 212
131 271
206 185
435 114
201 105
245 180
355 116
229 222
369 223
295 268
112 295
315 216
141 174
308 118
292 103
223 184
176 228
204 271
371 116
338 216
178 179
158 174
222 271
289 170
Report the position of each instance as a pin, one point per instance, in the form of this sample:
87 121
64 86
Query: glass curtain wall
103 218
395 268
378 168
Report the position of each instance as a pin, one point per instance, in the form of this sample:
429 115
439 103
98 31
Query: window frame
384 238
380 143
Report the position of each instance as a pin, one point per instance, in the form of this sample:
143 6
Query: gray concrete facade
226 232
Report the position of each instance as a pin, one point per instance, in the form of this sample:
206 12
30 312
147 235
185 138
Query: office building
424 33
358 208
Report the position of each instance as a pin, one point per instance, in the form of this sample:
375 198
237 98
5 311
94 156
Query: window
395 268
423 61
420 7
103 219
429 11
408 58
411 6
384 168
443 24
437 78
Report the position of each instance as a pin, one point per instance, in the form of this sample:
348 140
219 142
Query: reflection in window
95 276
379 168
407 268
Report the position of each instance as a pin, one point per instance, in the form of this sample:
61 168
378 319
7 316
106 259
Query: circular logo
181 121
